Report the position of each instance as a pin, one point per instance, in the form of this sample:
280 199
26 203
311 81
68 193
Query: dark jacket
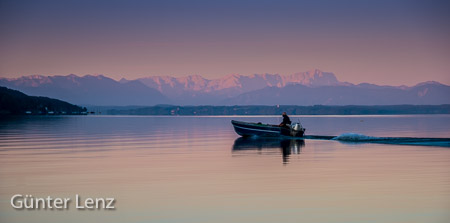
286 120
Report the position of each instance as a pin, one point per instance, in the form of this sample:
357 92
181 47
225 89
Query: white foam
354 137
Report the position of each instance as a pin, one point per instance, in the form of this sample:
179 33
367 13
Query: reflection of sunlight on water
182 170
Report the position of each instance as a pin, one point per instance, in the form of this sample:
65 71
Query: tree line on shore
278 109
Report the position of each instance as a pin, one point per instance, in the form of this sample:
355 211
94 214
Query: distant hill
14 102
428 93
87 90
313 87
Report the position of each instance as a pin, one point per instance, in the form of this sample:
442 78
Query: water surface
196 169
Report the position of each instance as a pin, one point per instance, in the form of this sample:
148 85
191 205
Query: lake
197 169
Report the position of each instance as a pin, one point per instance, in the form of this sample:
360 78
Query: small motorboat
267 130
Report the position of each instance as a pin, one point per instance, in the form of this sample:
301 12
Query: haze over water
197 169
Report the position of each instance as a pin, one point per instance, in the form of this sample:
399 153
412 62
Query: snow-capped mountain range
239 82
304 88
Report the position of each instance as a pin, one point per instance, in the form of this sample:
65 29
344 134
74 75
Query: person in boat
286 120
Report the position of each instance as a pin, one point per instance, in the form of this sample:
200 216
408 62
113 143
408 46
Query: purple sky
383 42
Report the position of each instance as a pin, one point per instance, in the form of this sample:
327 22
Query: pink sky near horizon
380 42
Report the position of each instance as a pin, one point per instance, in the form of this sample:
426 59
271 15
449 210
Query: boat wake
359 138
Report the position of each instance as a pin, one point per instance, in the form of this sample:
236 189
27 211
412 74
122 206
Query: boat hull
257 129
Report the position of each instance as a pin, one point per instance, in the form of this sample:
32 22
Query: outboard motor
297 129
296 126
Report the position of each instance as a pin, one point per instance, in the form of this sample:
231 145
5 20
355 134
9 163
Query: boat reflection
287 146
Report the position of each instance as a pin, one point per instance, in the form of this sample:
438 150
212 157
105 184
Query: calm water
196 169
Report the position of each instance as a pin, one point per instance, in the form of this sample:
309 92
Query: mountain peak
28 77
34 80
234 76
428 83
315 72
123 80
314 77
97 76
